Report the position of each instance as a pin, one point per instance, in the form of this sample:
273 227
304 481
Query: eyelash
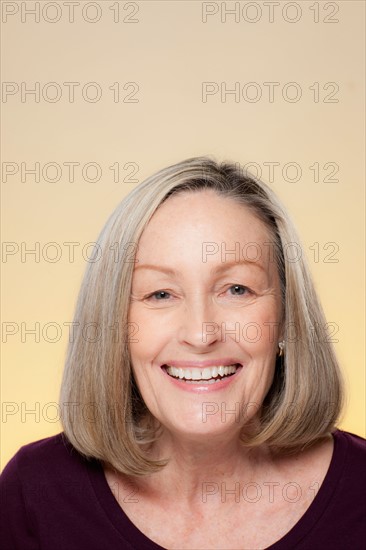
248 291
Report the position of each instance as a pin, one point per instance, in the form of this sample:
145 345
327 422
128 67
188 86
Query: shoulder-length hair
102 412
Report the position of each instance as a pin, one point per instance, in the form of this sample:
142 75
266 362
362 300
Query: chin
191 426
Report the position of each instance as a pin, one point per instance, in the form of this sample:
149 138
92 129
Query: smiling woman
222 402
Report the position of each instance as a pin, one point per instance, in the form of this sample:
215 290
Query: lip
225 361
202 387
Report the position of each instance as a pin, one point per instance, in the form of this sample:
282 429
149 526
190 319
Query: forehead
195 220
203 214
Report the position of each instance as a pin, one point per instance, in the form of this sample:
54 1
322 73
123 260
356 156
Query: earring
281 345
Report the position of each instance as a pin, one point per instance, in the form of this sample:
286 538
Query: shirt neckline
130 533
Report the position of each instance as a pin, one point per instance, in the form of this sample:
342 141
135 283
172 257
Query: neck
200 468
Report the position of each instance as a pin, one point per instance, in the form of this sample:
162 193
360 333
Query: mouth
206 375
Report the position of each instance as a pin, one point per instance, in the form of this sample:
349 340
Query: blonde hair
103 414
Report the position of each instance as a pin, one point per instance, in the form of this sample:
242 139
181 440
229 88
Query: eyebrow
214 271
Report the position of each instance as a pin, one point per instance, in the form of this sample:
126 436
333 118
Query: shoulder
36 476
47 458
358 440
347 471
39 448
351 446
54 445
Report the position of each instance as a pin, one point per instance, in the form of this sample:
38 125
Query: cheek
150 333
258 326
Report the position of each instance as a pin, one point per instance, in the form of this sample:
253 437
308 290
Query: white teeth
208 373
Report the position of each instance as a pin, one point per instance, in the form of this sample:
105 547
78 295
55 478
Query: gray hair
306 396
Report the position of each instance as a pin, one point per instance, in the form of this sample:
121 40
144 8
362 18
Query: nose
198 325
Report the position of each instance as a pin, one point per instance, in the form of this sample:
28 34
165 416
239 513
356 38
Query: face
207 304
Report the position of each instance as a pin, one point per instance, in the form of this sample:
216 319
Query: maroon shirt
54 499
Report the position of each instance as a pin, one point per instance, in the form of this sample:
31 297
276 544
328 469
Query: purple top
54 499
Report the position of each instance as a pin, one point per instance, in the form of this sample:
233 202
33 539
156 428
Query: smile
207 375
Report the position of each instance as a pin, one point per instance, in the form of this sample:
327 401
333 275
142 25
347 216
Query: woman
200 407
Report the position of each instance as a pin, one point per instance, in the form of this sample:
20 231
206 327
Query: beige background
168 52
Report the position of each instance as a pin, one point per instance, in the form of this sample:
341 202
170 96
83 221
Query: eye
239 290
159 295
